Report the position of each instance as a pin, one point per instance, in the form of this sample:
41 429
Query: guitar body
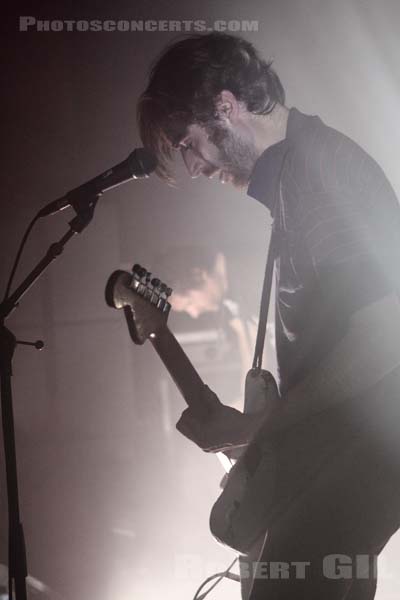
240 515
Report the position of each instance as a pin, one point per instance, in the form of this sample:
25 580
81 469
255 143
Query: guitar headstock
144 300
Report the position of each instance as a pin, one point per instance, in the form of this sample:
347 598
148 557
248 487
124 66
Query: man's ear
227 106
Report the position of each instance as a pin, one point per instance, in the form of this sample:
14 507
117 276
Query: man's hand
223 427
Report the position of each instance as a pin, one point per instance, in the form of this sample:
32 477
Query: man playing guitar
337 225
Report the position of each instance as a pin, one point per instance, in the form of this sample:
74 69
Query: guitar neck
180 368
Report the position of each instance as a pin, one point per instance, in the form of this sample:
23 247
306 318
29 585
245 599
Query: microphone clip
84 206
39 344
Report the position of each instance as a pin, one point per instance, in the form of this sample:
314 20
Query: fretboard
180 368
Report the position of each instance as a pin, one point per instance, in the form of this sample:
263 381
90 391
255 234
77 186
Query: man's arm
366 353
223 429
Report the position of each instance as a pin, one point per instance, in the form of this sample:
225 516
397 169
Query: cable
219 577
18 257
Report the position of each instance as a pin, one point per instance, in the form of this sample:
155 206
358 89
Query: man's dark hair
186 80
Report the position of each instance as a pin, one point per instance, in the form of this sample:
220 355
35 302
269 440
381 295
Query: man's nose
193 163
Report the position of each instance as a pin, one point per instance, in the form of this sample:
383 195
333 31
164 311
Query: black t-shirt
338 232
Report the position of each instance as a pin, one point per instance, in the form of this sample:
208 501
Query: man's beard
236 157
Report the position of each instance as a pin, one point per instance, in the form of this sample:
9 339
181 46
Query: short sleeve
349 219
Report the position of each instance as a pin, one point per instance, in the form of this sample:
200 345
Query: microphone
140 163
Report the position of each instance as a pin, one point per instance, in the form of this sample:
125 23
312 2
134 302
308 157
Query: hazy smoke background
114 502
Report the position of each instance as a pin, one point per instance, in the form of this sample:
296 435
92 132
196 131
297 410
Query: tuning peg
161 303
136 269
164 289
140 271
155 282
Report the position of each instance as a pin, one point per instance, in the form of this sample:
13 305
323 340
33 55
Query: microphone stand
84 206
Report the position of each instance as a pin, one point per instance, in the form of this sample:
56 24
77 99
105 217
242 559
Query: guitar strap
265 302
257 373
267 285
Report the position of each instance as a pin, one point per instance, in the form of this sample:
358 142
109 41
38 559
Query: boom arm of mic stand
17 564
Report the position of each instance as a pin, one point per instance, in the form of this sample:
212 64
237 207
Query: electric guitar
240 515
